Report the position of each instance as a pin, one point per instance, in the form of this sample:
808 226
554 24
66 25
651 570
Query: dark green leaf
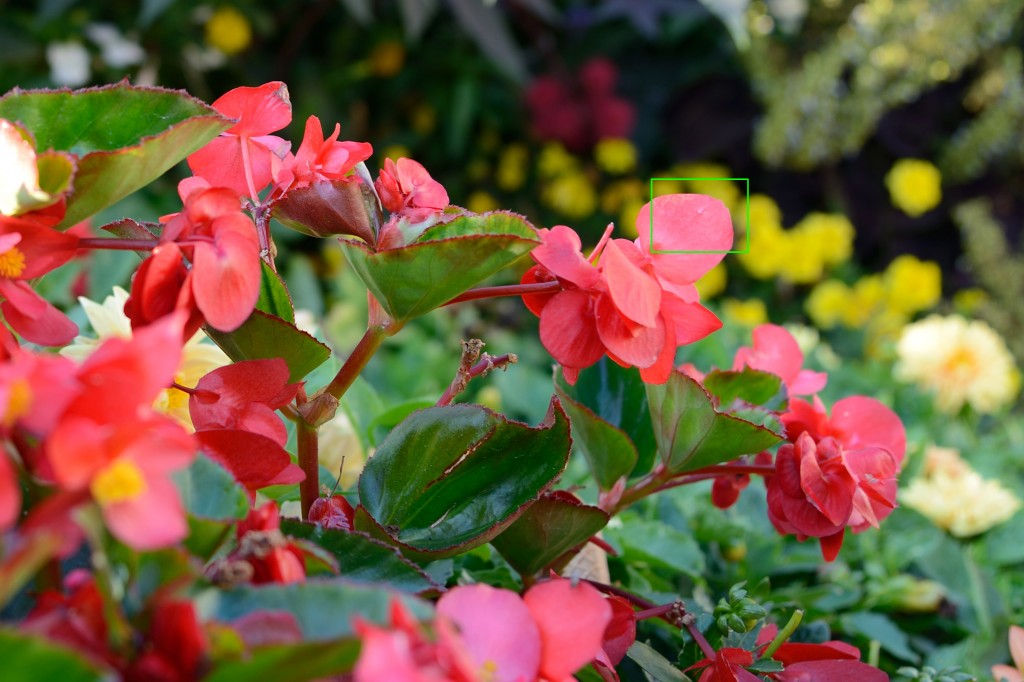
126 228
324 608
209 491
382 424
274 299
749 385
765 665
654 664
450 478
616 395
551 526
653 542
363 559
290 663
124 136
443 263
28 659
609 451
875 626
264 336
691 434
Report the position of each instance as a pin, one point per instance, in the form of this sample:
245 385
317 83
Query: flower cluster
915 186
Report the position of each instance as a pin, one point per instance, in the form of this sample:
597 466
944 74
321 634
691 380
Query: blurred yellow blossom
769 248
109 321
956 498
627 218
481 202
959 361
395 152
749 313
967 301
712 283
915 186
554 160
804 260
832 234
387 58
615 194
571 194
511 171
337 439
828 303
478 170
228 30
729 192
424 118
615 155
912 285
763 211
866 297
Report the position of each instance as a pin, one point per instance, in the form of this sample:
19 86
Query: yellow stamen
19 399
118 482
12 262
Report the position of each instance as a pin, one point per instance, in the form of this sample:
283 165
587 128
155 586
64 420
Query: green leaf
444 262
290 663
749 385
450 478
875 626
691 434
616 395
274 298
264 336
393 416
609 451
549 528
654 543
27 659
363 559
654 664
124 136
209 491
323 608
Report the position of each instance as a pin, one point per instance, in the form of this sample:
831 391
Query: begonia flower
244 158
776 351
727 665
572 621
320 160
175 646
10 494
273 557
405 187
832 660
1016 673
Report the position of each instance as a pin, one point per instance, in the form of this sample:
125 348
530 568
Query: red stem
308 446
507 290
723 469
361 355
485 365
117 244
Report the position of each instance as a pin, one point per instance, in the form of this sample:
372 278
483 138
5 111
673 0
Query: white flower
959 361
116 50
197 358
956 498
69 63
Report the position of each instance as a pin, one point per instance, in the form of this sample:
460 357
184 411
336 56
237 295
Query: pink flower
856 422
635 306
10 494
273 557
320 160
775 351
1005 672
245 157
727 665
406 188
572 620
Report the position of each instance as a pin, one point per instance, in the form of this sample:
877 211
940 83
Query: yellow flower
912 285
956 498
337 439
769 248
511 172
197 359
749 313
571 194
615 155
828 303
228 30
832 234
617 193
803 261
866 298
627 218
967 301
554 160
915 186
395 152
481 202
728 191
959 361
713 283
387 58
763 211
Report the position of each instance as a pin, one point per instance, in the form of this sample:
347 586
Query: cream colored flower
955 497
108 320
337 439
960 361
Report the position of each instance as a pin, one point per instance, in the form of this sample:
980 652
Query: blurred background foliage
880 161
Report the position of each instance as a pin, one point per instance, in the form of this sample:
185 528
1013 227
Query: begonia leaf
550 527
609 451
324 608
264 336
274 297
616 395
362 559
450 478
692 434
654 664
28 658
749 385
123 136
299 661
442 263
209 491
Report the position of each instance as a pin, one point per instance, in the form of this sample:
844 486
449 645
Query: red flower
856 422
727 665
245 157
273 557
10 494
775 351
406 188
175 646
633 305
27 251
332 512
833 660
320 160
726 489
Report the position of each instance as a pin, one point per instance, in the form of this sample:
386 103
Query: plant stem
355 363
468 371
117 244
507 290
976 588
308 445
784 634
